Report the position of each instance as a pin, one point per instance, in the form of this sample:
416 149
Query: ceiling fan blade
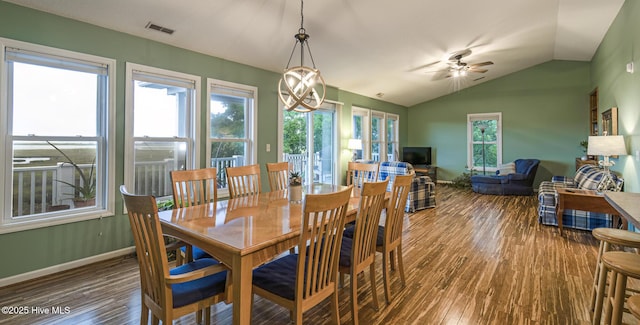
480 64
436 71
478 70
423 66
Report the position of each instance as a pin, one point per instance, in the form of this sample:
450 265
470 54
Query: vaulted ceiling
395 50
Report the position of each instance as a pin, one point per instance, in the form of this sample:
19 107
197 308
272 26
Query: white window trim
396 136
479 117
7 224
194 129
365 113
252 135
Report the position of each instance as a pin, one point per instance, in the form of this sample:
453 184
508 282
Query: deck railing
300 163
41 189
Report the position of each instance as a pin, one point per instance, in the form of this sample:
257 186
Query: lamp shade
611 145
354 144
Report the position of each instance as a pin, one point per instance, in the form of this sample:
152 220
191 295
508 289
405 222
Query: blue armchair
518 183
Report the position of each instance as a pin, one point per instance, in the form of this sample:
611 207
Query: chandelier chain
302 15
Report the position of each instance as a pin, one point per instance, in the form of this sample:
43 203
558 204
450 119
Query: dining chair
278 175
169 293
358 253
193 187
359 173
301 281
243 180
389 236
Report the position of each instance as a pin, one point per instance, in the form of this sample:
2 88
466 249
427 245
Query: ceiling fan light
463 73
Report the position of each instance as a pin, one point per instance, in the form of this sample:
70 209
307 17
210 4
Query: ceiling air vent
159 28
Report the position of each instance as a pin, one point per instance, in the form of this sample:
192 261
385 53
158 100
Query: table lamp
354 144
606 146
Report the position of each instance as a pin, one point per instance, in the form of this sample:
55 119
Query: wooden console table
585 200
431 171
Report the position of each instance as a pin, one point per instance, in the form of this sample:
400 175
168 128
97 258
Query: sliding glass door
309 142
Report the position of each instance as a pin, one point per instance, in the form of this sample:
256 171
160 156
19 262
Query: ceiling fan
458 68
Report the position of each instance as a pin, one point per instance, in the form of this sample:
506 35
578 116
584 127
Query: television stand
424 170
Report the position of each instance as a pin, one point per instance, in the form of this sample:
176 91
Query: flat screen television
417 156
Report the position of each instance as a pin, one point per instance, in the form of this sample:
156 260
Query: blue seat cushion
488 179
278 277
350 230
196 252
345 251
192 291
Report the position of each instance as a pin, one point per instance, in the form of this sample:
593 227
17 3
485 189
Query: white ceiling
365 46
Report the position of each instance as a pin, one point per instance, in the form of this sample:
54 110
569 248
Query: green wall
617 88
544 116
40 248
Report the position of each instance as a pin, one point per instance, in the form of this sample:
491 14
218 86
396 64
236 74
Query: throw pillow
506 169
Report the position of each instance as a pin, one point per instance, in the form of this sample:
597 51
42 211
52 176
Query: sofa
422 194
587 177
517 180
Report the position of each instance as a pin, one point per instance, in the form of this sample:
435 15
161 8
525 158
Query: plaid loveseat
423 191
587 177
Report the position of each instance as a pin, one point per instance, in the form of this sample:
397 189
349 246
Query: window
379 137
360 130
393 143
309 142
55 112
232 127
484 134
160 127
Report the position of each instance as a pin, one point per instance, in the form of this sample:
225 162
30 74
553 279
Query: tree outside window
485 141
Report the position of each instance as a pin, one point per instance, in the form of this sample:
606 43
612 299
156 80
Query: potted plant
464 180
585 145
295 186
84 194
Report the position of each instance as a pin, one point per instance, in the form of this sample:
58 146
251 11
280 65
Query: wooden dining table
246 232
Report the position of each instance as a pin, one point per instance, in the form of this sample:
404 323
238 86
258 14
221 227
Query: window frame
251 125
367 116
105 133
481 117
192 127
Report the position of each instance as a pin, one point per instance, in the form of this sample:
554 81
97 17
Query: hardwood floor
474 259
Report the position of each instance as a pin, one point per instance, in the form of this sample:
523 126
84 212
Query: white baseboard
65 266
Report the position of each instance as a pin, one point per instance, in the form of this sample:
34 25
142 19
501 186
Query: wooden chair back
156 282
391 246
395 209
150 248
194 186
363 244
278 175
366 227
359 173
317 268
243 180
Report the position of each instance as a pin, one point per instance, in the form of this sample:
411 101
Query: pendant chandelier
301 88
